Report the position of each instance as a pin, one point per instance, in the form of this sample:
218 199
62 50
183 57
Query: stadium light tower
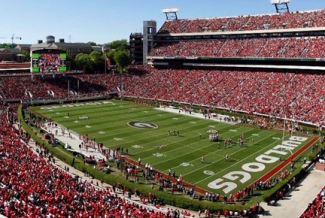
281 6
171 13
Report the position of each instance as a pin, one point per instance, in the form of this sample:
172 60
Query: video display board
48 60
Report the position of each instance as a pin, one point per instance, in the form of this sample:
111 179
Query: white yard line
182 147
267 147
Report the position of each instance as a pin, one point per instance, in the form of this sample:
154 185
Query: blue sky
103 21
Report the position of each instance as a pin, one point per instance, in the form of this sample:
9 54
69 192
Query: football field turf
148 133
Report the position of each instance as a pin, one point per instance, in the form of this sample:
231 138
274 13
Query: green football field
145 131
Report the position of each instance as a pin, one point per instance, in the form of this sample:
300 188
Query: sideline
214 117
73 141
294 205
295 202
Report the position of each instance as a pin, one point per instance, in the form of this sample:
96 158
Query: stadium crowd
58 87
32 186
299 19
292 47
276 94
316 208
296 96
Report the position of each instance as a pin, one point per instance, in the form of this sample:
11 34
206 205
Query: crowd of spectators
317 207
299 19
296 96
32 186
288 47
292 95
59 87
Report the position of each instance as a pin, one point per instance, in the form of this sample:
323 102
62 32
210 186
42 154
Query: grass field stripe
172 137
283 164
94 129
181 147
203 118
167 159
112 119
233 144
98 127
223 157
232 165
208 177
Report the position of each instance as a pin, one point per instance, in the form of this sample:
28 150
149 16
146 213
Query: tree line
118 54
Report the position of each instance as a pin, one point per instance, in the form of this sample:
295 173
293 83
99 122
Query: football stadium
214 117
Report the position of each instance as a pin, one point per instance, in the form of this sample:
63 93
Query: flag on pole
108 63
68 88
29 94
284 127
78 89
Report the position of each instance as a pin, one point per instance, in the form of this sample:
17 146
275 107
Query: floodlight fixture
279 1
281 6
171 13
170 10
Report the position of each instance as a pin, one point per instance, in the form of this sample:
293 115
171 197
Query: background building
7 54
72 48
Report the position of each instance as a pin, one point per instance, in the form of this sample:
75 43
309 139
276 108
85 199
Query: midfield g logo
142 125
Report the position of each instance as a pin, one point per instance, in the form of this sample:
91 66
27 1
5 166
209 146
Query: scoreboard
48 61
